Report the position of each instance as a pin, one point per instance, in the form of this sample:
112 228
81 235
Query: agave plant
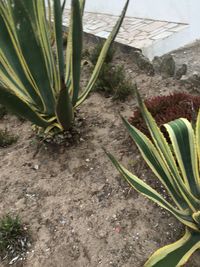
177 168
34 81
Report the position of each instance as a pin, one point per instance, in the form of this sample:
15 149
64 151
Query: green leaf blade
20 107
157 165
57 8
12 67
64 108
176 254
26 30
183 141
76 34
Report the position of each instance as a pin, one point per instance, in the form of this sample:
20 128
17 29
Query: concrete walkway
152 36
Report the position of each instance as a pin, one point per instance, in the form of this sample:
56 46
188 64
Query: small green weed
112 81
94 54
6 138
14 240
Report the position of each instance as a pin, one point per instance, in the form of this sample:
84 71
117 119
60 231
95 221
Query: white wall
170 10
182 11
194 18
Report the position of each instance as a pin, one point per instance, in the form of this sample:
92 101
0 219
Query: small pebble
36 167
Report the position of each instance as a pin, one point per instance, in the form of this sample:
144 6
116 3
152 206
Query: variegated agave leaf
177 168
34 81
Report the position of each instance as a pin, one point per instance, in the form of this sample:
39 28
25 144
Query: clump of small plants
167 108
112 79
94 54
7 138
14 239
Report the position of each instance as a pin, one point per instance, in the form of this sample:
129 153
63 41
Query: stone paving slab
134 32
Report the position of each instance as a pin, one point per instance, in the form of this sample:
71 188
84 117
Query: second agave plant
177 168
37 81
